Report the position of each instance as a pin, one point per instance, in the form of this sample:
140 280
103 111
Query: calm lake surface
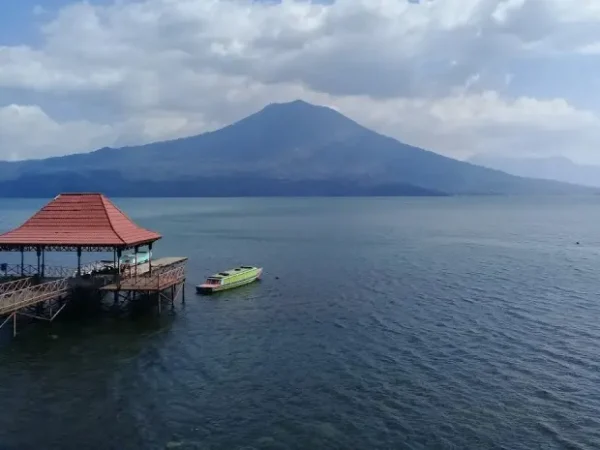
455 323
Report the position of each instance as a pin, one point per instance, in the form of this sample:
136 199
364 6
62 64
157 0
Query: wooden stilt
6 321
49 318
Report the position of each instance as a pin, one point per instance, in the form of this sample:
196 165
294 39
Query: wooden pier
81 222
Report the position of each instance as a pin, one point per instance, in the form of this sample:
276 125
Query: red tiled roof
85 219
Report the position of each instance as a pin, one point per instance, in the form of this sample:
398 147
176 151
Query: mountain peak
295 105
299 118
297 102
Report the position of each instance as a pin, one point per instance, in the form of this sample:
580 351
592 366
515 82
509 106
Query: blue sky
19 23
460 77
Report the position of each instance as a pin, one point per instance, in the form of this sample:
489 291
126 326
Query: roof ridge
112 227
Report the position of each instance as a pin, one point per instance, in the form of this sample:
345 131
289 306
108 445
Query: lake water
455 323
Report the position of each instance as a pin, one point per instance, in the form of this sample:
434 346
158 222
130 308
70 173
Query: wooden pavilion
77 222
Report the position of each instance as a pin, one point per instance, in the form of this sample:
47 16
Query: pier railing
31 294
143 270
15 270
159 280
29 270
16 285
171 277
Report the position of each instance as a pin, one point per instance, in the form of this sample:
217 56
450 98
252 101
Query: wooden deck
166 272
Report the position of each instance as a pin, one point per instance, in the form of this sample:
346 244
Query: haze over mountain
285 149
556 168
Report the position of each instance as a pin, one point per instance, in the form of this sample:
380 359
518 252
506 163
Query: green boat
230 279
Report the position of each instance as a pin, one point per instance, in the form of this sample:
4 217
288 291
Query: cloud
468 124
447 75
27 132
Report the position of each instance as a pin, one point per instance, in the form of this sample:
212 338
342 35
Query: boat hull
208 289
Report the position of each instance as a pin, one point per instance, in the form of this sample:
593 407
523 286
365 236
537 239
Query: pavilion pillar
119 253
39 255
78 261
43 261
136 249
22 261
150 258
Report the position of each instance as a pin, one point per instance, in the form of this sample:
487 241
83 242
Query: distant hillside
285 149
113 184
553 168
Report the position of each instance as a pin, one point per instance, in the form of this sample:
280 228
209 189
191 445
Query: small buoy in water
53 336
577 242
277 278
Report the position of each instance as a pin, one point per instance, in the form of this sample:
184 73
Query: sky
459 77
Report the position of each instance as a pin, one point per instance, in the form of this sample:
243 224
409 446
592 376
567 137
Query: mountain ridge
286 146
557 168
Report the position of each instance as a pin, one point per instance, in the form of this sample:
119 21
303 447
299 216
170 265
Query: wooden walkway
22 293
